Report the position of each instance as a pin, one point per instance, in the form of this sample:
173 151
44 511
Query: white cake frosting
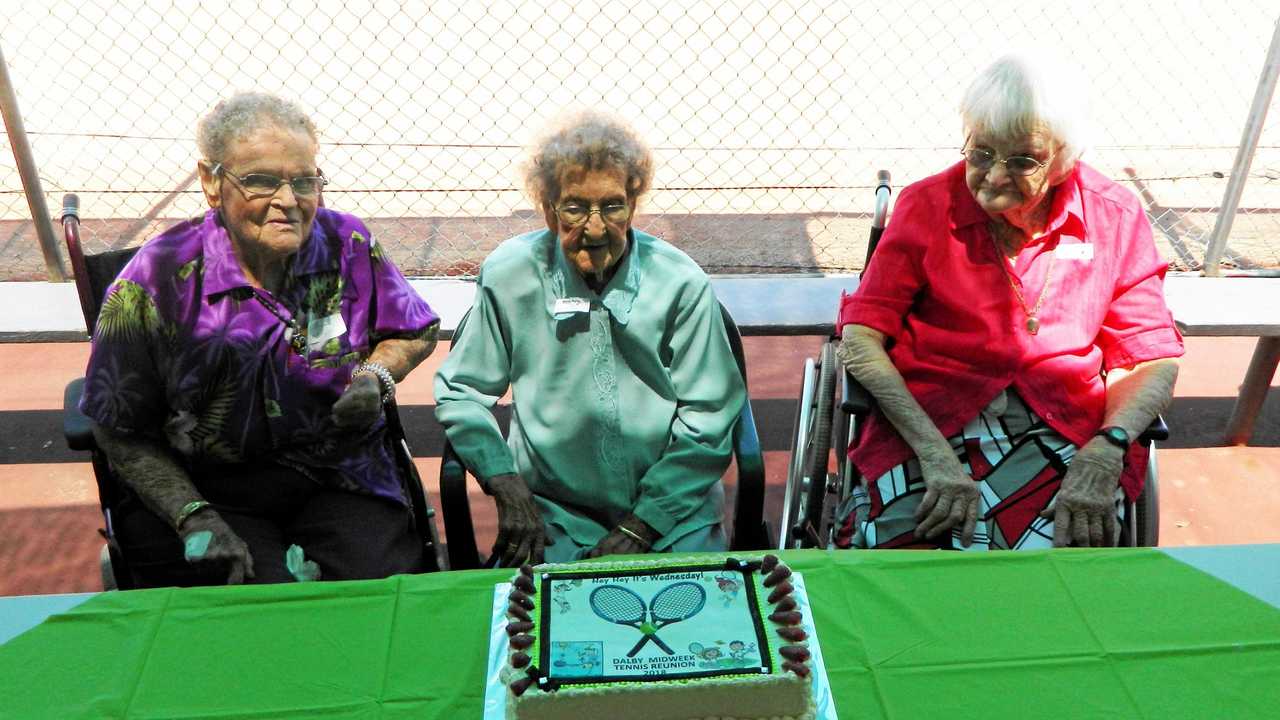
660 638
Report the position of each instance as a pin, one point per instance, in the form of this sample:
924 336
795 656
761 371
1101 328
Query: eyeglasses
575 214
984 159
262 184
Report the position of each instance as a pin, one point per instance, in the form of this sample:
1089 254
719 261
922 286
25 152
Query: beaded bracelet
385 381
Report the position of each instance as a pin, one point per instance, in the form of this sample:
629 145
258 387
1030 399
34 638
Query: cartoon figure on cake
742 653
562 605
568 585
576 659
729 586
589 659
710 656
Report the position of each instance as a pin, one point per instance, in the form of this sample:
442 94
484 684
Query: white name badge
1076 251
568 306
322 330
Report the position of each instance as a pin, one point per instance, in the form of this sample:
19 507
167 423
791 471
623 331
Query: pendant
1033 325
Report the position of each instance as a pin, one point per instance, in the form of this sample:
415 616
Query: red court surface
48 503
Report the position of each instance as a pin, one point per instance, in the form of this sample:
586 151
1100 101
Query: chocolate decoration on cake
777 575
794 634
519 660
782 590
516 611
522 642
795 653
799 669
516 628
786 617
520 685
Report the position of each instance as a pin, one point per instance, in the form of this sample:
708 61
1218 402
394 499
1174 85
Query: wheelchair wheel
818 459
844 428
1147 508
810 453
795 468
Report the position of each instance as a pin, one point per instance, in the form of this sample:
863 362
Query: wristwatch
1115 435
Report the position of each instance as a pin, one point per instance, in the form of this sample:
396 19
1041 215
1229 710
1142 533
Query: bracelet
385 381
187 511
631 534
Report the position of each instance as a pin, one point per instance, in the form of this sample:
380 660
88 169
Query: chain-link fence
769 119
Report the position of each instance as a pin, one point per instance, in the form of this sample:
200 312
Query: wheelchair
93 275
750 531
829 418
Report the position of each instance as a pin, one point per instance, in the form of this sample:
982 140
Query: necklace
297 339
1033 322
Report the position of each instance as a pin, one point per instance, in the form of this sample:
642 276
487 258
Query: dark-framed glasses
262 184
572 213
984 159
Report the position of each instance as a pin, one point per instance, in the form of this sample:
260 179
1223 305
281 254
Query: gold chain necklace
1033 322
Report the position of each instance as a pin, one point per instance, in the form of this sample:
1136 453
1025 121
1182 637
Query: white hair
1024 92
237 116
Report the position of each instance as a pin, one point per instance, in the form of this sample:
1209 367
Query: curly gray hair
1022 92
589 140
233 118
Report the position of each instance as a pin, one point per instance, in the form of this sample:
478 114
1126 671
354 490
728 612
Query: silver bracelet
634 536
385 381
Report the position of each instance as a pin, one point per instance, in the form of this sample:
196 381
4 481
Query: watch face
1116 436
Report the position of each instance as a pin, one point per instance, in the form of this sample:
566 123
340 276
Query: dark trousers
349 536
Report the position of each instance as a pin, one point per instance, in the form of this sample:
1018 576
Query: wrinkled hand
521 537
360 404
208 539
950 499
1084 512
619 543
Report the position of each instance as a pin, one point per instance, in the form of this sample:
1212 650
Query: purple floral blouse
187 352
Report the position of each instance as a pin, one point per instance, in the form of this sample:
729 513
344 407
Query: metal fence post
1244 157
30 178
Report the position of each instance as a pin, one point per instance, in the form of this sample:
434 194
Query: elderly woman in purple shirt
239 368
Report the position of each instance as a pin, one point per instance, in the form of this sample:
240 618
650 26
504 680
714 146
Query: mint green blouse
623 402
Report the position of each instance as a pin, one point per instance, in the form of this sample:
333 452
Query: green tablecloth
1065 634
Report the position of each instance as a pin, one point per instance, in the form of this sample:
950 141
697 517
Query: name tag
1076 251
569 306
322 330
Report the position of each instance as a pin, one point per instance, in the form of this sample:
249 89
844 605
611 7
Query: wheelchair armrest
1157 430
854 399
455 509
77 428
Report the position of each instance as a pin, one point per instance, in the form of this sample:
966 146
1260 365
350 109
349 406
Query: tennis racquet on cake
673 603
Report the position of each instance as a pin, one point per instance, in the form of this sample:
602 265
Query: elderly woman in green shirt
624 388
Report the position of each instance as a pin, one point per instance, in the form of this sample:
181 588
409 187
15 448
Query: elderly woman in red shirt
1013 331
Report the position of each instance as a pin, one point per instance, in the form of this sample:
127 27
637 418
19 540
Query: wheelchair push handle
70 207
883 192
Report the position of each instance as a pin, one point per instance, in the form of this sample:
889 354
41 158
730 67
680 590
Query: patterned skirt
1018 462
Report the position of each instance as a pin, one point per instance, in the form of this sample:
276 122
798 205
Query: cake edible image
653 624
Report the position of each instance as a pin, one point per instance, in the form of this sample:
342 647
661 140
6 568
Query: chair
94 274
750 530
826 418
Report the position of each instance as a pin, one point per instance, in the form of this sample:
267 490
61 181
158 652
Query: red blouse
937 288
